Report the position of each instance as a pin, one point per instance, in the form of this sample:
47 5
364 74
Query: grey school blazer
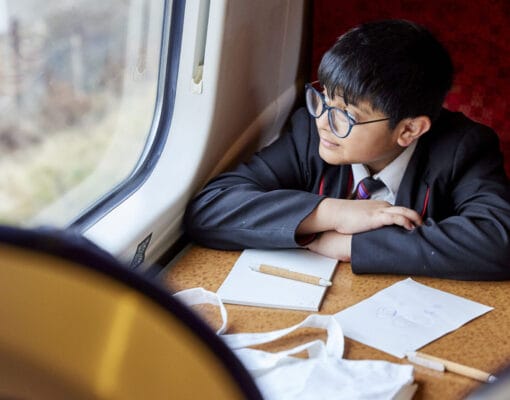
455 180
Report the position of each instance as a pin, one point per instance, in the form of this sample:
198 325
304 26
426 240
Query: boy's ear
410 129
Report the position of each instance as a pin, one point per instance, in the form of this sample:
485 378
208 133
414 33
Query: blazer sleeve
261 202
470 244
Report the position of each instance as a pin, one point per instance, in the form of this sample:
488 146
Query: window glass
78 89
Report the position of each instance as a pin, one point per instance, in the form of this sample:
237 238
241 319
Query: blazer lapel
414 190
337 181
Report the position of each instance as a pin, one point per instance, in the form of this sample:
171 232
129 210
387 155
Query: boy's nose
323 122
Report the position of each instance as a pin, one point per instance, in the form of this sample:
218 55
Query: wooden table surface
483 343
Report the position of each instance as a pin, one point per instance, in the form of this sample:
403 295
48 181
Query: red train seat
476 34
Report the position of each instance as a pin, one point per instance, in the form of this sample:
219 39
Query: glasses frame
329 109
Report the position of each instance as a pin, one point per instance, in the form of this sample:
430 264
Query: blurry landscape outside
78 85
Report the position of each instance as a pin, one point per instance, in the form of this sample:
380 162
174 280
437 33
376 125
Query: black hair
397 66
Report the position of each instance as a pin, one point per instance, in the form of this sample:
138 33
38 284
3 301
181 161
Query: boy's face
373 144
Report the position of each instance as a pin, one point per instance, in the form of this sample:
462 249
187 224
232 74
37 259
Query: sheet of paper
407 316
247 287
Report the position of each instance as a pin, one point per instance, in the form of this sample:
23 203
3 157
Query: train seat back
475 33
76 324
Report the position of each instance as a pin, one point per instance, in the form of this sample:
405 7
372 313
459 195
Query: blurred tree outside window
78 87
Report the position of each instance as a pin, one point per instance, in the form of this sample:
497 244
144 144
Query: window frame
214 123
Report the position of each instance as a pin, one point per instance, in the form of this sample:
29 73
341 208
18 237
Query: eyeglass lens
314 102
316 106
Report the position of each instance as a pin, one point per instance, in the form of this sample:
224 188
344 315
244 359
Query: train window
78 100
232 89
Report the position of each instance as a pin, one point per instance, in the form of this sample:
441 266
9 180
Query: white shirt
391 175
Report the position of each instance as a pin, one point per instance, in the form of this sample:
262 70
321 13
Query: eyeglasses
340 121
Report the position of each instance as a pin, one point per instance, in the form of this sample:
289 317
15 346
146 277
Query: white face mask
324 374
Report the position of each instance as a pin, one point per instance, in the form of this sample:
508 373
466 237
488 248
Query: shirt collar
391 175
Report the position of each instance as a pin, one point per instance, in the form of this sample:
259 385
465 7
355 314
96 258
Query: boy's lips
327 143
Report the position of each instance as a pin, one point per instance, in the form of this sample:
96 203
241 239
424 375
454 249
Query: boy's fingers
398 219
411 215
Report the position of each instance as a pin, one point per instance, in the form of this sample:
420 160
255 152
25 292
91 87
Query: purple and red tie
368 186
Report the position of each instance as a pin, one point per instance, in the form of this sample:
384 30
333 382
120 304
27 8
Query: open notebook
247 287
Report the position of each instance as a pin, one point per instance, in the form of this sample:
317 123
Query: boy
436 201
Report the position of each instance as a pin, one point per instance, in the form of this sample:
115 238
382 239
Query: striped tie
368 186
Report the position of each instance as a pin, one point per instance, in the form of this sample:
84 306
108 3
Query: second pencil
457 368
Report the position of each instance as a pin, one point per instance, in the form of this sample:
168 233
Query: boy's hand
332 244
354 216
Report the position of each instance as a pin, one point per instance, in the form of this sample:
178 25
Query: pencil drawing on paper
407 317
